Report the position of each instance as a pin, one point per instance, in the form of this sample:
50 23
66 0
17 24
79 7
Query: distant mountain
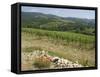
90 22
56 23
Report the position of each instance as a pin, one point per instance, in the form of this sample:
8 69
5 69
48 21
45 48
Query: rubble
56 61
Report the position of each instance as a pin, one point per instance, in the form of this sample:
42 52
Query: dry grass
55 48
42 63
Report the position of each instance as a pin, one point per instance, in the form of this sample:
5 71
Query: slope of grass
32 41
69 37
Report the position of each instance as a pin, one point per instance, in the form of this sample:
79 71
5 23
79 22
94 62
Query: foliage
55 23
67 36
41 62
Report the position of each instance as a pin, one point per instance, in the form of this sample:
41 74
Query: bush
42 62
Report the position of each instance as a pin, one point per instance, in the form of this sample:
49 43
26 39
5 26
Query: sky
89 14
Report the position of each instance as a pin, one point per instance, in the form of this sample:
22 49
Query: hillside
56 23
53 42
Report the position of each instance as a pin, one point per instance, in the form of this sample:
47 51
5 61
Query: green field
82 40
67 45
68 38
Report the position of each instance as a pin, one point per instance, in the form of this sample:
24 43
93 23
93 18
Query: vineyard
51 42
68 37
67 45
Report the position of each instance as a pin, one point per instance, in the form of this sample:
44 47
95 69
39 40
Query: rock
57 62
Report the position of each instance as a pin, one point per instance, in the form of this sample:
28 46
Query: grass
41 63
61 35
83 58
31 49
36 39
69 37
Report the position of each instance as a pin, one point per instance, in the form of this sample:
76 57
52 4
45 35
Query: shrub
42 62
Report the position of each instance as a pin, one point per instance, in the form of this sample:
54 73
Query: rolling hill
56 23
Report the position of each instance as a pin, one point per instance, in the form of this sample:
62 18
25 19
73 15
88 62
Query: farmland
68 37
52 42
67 45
